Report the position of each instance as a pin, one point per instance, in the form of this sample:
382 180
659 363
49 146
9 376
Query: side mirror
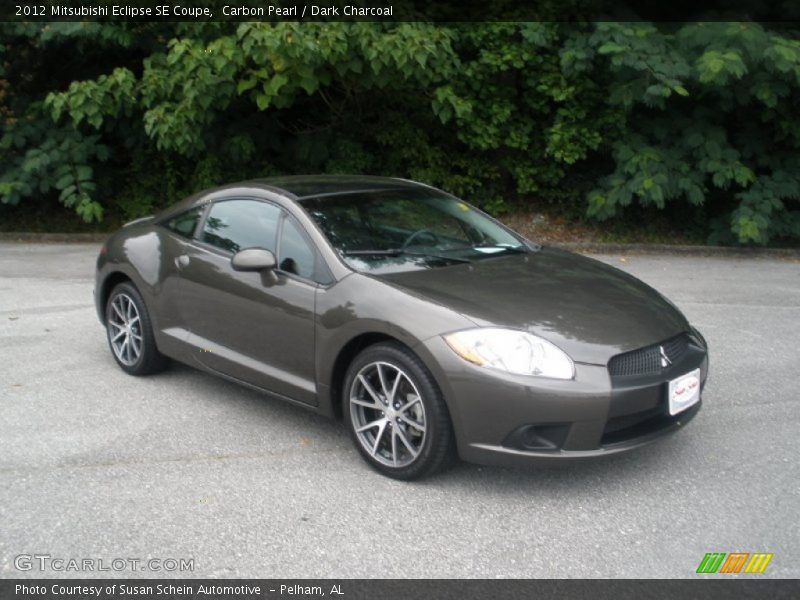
253 259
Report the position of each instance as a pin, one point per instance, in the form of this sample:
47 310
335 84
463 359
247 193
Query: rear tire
130 332
396 414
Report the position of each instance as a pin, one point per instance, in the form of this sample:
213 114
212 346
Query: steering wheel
420 233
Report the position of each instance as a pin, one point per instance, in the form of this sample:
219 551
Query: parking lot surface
97 464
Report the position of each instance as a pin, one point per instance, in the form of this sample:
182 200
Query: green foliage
46 159
109 96
711 113
695 118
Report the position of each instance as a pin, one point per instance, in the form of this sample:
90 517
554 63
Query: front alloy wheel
388 414
396 413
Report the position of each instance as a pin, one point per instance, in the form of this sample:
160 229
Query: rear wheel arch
111 281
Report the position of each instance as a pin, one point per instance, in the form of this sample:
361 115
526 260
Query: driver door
257 327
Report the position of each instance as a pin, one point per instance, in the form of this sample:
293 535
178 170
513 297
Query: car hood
589 309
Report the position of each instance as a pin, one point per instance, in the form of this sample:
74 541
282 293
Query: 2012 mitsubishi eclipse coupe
432 329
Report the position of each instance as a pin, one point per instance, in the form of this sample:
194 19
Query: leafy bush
711 111
130 117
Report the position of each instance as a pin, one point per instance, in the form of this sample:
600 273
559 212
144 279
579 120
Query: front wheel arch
354 346
346 355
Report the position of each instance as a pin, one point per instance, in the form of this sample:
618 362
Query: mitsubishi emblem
665 361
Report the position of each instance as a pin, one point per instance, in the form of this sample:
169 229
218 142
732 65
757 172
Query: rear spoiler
141 220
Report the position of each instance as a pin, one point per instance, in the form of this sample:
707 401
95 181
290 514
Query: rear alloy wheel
397 416
130 334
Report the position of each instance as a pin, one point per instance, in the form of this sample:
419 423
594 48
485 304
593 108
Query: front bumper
505 419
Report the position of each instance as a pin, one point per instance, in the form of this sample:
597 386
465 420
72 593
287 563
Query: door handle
182 261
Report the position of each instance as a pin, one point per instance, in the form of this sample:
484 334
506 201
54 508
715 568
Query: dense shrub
131 117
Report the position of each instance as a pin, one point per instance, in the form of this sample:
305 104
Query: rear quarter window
185 223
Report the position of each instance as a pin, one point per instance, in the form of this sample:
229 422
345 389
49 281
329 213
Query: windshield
398 230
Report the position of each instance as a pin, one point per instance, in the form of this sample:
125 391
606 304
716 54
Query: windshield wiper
402 252
498 249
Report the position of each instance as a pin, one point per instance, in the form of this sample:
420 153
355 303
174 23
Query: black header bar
205 11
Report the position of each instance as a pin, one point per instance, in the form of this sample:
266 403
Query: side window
185 223
237 224
296 256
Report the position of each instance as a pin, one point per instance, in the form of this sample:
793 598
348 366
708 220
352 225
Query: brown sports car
432 329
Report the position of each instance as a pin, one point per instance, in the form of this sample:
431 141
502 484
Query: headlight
513 351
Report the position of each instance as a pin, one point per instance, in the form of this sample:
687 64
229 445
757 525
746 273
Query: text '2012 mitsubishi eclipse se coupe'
430 328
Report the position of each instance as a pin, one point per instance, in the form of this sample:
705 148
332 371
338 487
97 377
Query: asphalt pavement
100 465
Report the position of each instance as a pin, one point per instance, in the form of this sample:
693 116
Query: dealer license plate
684 392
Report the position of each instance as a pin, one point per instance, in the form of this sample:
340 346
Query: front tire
396 414
130 332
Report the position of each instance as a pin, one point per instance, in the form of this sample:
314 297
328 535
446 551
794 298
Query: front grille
648 360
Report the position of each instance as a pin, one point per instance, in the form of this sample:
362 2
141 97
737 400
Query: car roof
297 187
307 186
